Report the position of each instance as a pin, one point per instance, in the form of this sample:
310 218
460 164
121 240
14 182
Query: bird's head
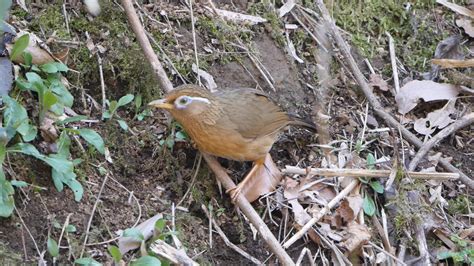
185 101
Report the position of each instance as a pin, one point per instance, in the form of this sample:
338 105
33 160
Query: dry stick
226 240
375 103
321 213
220 173
250 212
102 83
89 223
460 123
365 172
29 232
393 60
194 41
160 73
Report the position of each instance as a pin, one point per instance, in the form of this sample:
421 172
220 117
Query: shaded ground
157 175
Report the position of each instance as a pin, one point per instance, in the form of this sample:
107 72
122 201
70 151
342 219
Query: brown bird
237 124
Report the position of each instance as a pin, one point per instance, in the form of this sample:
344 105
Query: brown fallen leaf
457 8
39 55
408 96
437 119
377 81
466 24
349 208
265 180
358 235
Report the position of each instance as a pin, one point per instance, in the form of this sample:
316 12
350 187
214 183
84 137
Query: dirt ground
147 178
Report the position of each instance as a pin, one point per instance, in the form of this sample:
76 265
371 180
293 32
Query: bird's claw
234 192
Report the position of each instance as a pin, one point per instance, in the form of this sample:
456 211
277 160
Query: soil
158 177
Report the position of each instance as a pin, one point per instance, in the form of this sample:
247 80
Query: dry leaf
125 244
22 4
206 78
437 119
449 48
358 235
466 24
456 8
48 130
291 49
238 17
287 7
266 178
40 56
377 81
349 208
408 96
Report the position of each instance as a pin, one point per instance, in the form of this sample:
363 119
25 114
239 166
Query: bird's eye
183 101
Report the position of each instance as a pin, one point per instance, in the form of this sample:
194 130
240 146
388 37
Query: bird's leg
235 192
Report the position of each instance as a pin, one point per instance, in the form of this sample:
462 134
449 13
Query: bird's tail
297 121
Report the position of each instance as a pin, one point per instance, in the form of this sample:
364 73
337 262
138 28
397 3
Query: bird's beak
161 104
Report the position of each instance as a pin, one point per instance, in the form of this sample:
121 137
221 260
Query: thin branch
102 83
227 241
29 233
393 60
194 40
137 27
366 172
321 213
89 223
464 121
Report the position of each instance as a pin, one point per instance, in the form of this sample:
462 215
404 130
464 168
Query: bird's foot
234 192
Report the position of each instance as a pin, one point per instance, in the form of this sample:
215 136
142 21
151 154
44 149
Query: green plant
369 203
177 135
465 253
18 129
112 111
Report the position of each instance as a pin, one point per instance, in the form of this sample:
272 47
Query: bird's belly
233 146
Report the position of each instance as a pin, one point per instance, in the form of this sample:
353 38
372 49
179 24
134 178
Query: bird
240 124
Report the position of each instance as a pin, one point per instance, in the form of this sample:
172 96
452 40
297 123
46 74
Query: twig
66 18
387 253
220 173
29 232
308 31
393 60
176 256
227 241
66 223
366 172
192 180
89 223
102 83
373 100
460 123
321 213
160 73
190 2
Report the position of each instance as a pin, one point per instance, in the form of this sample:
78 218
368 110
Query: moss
50 20
459 205
414 31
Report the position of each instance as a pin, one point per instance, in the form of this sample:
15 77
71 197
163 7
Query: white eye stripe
182 101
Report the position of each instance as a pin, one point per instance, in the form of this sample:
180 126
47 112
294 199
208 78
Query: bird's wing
251 113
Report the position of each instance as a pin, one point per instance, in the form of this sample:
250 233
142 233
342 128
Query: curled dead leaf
358 235
467 25
125 244
349 208
265 180
377 81
408 96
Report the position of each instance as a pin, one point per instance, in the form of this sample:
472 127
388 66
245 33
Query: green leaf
370 161
53 248
138 101
49 99
61 165
49 68
17 183
27 131
19 46
376 186
63 94
124 100
134 233
70 228
113 107
444 255
28 58
87 262
68 178
369 206
93 138
7 202
106 115
4 8
180 136
115 253
147 261
15 118
64 144
61 67
160 225
23 84
72 119
123 124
